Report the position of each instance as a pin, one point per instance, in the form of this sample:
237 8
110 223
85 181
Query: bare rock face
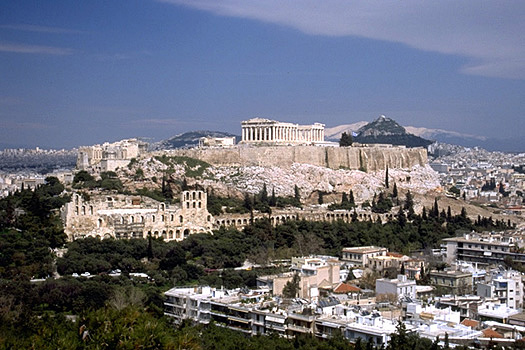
310 179
354 158
331 170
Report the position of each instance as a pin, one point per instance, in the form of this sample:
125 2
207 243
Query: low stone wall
353 158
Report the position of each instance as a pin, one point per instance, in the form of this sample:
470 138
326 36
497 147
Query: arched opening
186 233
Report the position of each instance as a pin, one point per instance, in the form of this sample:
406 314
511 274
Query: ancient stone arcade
121 216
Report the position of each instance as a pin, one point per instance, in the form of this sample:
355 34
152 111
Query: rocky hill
386 130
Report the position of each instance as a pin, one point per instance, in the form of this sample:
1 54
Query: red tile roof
490 333
470 323
346 288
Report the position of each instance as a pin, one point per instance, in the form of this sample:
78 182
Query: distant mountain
443 136
189 139
334 134
386 130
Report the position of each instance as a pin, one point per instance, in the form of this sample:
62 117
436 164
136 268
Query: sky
84 72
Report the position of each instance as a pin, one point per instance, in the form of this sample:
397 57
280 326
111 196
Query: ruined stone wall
353 158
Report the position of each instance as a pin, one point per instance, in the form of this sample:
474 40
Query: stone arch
186 233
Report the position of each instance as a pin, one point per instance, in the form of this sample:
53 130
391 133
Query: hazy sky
82 72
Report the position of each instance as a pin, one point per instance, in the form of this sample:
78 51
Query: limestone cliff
353 158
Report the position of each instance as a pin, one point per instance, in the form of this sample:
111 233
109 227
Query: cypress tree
386 177
394 191
297 196
351 199
273 199
264 195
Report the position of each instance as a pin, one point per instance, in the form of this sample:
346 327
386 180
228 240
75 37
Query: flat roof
363 250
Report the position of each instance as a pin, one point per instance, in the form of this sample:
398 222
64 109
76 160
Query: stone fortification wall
353 158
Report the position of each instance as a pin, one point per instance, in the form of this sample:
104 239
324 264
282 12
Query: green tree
455 191
351 199
291 288
263 195
346 140
297 196
386 177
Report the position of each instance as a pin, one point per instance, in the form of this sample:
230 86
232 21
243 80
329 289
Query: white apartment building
359 256
400 287
506 286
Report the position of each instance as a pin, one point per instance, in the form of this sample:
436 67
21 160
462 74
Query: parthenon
259 130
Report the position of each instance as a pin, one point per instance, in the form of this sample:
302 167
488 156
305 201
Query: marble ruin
109 156
259 130
121 216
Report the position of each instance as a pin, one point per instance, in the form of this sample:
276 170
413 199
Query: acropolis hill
266 143
270 143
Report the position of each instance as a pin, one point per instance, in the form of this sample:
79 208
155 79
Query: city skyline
87 72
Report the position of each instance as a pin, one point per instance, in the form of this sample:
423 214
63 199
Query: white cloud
40 29
489 33
34 49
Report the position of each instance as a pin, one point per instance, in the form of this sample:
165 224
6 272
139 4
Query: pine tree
320 198
449 214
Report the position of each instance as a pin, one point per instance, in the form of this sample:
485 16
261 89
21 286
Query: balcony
300 329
